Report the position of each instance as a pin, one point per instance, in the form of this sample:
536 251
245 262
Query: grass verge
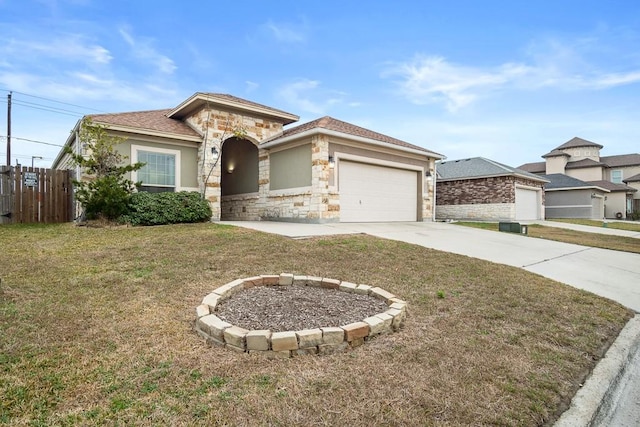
595 240
96 328
593 223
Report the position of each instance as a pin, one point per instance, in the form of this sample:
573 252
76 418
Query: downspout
434 178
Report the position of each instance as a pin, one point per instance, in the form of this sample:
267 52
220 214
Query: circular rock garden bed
286 315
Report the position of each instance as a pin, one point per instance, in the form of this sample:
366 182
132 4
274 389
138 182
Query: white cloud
69 47
308 96
287 33
434 79
251 86
143 49
550 64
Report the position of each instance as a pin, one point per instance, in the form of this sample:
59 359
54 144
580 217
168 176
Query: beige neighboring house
242 157
610 177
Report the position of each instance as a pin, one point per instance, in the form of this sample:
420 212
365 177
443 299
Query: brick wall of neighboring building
499 189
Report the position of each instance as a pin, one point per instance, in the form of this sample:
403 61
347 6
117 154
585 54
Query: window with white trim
616 176
161 171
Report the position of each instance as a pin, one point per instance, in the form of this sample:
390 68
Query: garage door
371 193
526 204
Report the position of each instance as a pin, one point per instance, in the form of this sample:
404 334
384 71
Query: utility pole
9 129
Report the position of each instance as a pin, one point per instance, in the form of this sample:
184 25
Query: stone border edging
291 343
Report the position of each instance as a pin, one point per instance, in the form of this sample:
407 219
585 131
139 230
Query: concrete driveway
611 396
611 274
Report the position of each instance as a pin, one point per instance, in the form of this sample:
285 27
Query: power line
32 140
53 100
46 108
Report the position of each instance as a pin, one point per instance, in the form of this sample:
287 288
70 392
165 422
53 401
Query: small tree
106 193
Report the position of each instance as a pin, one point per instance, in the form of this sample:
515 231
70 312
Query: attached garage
527 204
374 193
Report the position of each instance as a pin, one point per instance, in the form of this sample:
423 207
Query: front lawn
96 327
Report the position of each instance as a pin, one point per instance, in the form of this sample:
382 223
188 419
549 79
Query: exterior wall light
332 162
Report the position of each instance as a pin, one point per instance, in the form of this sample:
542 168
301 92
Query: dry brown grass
595 240
96 328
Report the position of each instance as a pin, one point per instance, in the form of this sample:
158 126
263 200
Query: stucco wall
572 204
290 168
586 174
615 202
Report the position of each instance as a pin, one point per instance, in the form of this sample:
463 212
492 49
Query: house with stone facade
245 159
615 181
485 190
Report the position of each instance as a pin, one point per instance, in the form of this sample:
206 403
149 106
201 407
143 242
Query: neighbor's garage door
370 193
526 204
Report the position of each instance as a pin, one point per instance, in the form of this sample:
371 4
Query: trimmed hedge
166 208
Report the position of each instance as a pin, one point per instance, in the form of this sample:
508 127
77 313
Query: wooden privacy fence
29 195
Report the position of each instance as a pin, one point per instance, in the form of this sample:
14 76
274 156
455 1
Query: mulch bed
296 307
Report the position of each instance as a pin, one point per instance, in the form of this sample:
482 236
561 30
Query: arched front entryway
238 177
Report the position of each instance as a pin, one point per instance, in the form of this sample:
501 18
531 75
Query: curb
595 400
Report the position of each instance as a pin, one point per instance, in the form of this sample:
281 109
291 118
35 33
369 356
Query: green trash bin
510 227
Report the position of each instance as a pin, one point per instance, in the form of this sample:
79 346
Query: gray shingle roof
558 181
478 167
621 160
577 142
555 153
613 187
536 167
634 178
583 163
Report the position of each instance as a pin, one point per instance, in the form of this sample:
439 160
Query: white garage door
526 204
370 193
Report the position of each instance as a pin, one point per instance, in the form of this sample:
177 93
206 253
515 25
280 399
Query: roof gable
479 167
226 101
577 142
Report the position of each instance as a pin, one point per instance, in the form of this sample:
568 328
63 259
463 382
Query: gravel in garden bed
296 307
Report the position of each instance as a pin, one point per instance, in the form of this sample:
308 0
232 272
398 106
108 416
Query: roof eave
591 187
151 132
198 99
70 139
539 179
314 131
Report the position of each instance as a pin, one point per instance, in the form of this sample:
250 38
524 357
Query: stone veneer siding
490 198
216 125
287 344
314 204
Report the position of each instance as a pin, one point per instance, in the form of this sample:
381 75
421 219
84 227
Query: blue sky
507 80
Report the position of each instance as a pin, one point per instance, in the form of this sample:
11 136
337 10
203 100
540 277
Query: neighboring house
481 189
238 154
634 182
580 159
568 197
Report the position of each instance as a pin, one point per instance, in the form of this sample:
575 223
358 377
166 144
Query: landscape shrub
166 208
